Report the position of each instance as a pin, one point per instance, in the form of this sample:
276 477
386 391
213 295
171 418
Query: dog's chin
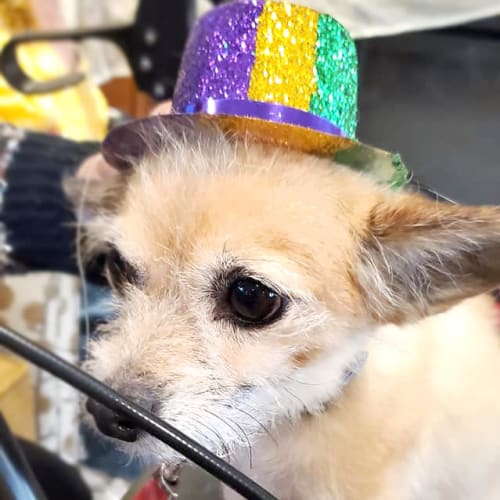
151 451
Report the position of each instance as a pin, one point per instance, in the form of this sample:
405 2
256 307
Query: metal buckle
168 477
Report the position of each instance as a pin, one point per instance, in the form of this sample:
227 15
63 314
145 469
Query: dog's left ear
95 197
93 202
418 257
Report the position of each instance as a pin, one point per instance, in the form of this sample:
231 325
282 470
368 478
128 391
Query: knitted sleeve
37 222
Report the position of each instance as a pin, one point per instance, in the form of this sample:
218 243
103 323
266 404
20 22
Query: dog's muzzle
111 423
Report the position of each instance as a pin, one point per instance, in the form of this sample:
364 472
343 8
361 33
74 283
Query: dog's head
247 279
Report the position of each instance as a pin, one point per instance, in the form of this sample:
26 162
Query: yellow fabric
17 396
78 112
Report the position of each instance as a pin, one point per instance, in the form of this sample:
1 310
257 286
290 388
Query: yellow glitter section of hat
284 69
284 135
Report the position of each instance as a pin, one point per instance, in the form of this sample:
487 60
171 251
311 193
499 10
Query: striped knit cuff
39 228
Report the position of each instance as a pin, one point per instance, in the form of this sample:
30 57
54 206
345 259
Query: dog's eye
252 302
119 272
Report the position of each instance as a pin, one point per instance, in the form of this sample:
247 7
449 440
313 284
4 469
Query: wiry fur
354 260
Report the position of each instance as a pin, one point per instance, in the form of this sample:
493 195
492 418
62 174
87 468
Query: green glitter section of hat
336 70
386 168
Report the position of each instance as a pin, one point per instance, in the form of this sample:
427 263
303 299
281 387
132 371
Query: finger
165 108
95 168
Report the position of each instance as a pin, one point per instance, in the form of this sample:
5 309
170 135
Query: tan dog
249 280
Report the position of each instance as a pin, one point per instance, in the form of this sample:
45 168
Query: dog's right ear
419 257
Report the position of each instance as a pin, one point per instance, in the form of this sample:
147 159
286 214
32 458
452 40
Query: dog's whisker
300 401
220 440
304 383
249 443
243 433
258 422
80 259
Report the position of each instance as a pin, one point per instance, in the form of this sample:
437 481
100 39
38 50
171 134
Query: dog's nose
112 424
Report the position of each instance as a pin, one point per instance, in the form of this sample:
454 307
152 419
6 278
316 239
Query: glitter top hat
279 72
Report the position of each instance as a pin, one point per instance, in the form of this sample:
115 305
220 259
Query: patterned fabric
45 307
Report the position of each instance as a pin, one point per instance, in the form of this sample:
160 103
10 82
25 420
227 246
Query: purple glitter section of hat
219 56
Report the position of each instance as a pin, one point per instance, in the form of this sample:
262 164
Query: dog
331 337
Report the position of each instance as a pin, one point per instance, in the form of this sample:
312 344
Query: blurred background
429 90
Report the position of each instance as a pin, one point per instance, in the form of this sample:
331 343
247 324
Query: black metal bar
140 417
152 44
15 75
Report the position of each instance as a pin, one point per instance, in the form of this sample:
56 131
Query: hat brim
127 144
131 140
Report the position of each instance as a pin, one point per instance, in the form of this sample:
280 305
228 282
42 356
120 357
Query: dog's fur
362 267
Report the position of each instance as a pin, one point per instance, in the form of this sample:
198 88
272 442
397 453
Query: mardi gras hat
274 71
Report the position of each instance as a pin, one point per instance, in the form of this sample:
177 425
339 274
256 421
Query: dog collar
354 368
350 372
